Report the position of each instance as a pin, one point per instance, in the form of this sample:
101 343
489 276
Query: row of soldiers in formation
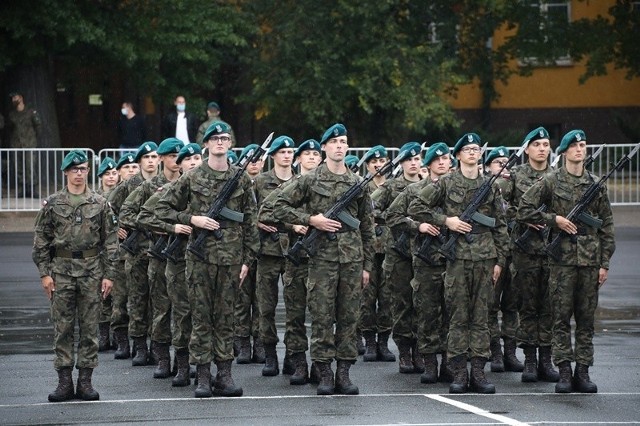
207 243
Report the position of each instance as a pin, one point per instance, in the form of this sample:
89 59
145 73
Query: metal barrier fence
27 176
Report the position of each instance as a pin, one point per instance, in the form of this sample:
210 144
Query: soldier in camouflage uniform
530 266
228 254
274 241
136 267
506 299
73 248
479 259
397 265
340 266
428 269
25 125
153 290
582 265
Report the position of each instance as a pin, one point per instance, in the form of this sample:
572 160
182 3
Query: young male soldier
340 265
480 254
228 252
530 266
74 246
152 291
583 262
274 240
397 264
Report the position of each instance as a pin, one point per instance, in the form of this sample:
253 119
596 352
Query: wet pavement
131 395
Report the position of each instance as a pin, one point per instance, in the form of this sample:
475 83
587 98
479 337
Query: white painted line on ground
476 410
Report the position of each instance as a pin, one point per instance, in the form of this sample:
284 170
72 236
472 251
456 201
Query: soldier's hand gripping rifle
338 212
579 211
218 209
424 251
471 212
523 240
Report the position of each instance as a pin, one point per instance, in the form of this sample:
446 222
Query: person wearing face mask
25 128
180 123
132 130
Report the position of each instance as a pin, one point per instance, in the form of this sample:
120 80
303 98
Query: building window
546 29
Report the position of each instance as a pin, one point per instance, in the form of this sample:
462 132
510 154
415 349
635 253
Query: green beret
467 139
74 158
534 135
216 128
569 138
436 150
333 132
498 152
187 151
279 143
232 157
170 146
410 149
213 105
309 144
377 151
107 164
126 158
246 150
351 160
145 148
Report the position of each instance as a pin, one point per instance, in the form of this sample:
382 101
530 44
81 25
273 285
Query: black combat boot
64 391
182 378
140 346
314 374
244 350
288 366
271 367
564 384
384 354
124 350
546 372
301 373
430 374
103 337
460 383
581 381
497 359
224 385
416 358
479 382
405 363
258 351
151 358
236 345
530 372
446 375
511 362
84 390
203 376
370 346
326 385
161 353
343 382
359 345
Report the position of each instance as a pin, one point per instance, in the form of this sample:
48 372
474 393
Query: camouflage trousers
375 310
212 291
333 296
160 302
574 292
295 304
106 309
120 296
531 281
506 299
75 299
467 292
431 313
398 273
178 292
270 269
137 269
246 318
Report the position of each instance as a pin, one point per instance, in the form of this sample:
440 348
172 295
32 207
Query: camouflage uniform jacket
383 235
382 199
194 193
317 192
560 191
122 190
26 125
61 226
133 204
265 184
453 193
147 217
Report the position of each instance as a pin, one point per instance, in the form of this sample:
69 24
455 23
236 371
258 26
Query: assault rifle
523 240
156 250
338 212
130 244
424 251
471 212
579 211
218 209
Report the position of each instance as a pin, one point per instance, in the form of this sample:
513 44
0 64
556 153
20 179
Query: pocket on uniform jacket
62 210
202 188
92 211
456 196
